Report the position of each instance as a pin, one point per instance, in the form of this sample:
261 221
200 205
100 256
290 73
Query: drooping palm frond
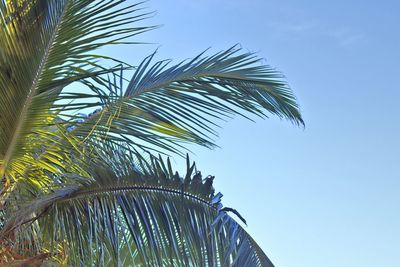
126 217
44 46
164 105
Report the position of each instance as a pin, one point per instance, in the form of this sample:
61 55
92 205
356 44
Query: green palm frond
44 46
165 105
123 216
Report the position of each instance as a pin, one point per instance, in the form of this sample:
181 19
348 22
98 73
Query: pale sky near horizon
327 195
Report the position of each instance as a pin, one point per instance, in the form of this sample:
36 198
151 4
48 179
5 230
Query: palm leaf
163 105
123 216
36 67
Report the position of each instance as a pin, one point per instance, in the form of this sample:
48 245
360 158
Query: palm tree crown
85 180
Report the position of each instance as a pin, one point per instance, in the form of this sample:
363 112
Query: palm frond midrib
33 89
130 188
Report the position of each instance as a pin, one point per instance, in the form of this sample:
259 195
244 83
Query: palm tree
85 177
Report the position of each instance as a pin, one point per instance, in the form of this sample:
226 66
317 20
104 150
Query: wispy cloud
346 37
287 21
342 36
302 27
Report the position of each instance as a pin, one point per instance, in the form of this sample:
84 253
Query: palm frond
44 45
165 105
124 216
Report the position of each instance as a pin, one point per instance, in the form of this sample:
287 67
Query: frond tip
230 76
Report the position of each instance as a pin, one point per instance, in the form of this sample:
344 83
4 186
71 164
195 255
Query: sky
327 195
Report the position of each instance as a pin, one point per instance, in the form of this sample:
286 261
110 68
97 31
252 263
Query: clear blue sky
327 195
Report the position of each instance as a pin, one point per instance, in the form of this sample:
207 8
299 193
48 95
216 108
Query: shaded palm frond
137 214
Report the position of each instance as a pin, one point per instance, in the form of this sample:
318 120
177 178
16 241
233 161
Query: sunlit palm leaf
44 45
